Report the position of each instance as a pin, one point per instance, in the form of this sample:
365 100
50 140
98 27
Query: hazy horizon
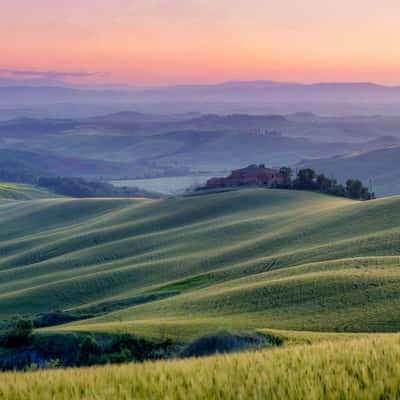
19 78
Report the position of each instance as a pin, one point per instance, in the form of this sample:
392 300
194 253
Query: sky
163 42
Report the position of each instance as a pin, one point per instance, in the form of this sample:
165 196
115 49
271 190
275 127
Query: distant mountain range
266 91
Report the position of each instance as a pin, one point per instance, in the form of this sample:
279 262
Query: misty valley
127 148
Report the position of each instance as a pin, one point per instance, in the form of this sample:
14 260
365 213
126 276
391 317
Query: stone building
253 175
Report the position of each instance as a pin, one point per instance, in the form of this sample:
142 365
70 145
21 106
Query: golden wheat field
366 368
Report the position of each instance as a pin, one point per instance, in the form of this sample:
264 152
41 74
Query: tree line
308 179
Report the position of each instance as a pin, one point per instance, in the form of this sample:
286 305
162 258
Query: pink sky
199 41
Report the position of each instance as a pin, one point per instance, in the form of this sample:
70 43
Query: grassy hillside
380 168
247 259
13 191
363 369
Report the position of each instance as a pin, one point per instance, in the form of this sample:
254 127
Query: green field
364 369
244 259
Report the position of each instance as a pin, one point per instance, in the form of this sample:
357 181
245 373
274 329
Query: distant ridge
328 92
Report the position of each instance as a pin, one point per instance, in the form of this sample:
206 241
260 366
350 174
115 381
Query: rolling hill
253 258
115 147
130 145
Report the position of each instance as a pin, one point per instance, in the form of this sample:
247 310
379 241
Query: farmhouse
253 175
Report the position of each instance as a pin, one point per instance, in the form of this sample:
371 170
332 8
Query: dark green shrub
123 356
225 342
90 351
138 347
20 334
56 318
65 347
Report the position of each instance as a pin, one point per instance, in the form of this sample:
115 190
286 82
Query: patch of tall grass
365 368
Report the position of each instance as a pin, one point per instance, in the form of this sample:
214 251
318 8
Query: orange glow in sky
203 41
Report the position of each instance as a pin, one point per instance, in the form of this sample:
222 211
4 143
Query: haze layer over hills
237 93
131 145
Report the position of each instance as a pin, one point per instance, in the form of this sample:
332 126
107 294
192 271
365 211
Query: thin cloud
34 74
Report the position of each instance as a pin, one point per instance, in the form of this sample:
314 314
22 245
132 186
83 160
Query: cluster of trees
23 349
308 179
79 187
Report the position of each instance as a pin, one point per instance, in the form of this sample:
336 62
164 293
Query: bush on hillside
54 318
20 334
90 351
141 349
225 342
